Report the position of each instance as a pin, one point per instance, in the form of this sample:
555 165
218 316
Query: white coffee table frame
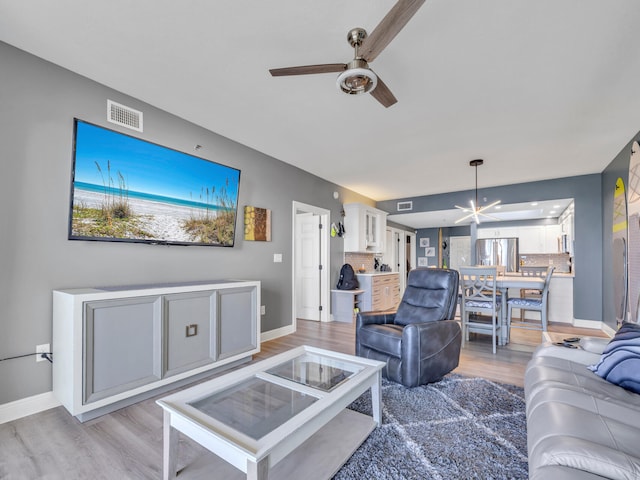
253 457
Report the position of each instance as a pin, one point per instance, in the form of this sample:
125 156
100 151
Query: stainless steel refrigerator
498 251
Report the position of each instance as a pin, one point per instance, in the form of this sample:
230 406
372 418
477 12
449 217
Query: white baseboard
608 330
27 406
277 333
594 324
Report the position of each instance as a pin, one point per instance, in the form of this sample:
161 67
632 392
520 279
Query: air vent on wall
124 116
404 206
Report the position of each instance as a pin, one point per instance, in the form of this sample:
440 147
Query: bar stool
531 293
534 304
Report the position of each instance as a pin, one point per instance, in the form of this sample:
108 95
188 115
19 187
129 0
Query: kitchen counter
371 274
563 275
560 299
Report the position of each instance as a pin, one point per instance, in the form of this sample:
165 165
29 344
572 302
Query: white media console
114 346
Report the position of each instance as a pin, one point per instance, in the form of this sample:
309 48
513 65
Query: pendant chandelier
476 210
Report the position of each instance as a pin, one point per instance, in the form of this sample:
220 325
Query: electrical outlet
44 348
263 310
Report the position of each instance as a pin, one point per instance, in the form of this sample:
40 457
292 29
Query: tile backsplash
562 261
357 260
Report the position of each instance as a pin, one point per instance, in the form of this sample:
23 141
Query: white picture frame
423 262
424 242
430 251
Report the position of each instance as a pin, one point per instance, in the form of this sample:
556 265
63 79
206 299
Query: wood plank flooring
127 444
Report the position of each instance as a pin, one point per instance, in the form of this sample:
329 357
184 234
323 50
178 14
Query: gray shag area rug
458 428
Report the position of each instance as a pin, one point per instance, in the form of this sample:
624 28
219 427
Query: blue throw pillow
620 361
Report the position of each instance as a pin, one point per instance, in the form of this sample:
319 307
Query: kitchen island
560 300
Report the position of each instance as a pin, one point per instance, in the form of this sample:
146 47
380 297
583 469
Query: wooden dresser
381 291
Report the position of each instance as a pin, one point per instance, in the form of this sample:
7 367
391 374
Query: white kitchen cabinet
115 346
345 304
532 239
551 234
561 299
365 228
502 232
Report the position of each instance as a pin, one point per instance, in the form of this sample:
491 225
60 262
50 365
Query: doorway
459 252
400 253
310 263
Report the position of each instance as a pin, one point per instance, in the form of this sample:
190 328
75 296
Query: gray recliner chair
421 341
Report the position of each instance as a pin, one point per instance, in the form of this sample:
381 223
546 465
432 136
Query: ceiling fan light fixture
357 78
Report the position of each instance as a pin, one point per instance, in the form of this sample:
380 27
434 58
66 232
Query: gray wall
586 190
432 235
39 102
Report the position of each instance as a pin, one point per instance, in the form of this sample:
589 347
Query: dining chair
479 298
531 271
537 304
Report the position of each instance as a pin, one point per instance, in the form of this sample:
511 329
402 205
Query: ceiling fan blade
383 94
388 28
308 69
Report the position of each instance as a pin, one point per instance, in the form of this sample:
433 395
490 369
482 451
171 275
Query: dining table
503 284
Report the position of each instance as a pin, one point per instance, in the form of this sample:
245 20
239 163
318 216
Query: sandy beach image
162 221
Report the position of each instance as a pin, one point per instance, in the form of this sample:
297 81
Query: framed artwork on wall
257 224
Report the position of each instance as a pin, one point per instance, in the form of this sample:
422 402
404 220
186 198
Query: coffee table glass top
254 406
317 371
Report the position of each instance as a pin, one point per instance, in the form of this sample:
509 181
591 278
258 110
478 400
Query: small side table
344 303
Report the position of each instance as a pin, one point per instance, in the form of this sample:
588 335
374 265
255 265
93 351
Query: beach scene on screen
125 188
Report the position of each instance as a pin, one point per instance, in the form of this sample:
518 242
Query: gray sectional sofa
579 425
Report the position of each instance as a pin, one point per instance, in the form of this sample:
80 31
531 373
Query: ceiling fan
356 76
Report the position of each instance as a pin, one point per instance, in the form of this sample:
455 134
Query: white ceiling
539 88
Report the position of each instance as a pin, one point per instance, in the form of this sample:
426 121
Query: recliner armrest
369 318
424 334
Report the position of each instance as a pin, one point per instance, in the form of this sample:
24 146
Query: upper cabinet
533 239
365 228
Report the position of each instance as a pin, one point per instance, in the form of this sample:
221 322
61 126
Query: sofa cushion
545 372
578 355
556 472
620 361
559 434
606 407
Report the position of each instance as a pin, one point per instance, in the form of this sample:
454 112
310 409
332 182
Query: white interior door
459 252
407 260
308 263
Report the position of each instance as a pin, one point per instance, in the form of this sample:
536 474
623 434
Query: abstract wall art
257 224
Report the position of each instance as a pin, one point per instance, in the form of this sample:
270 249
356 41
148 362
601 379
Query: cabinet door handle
192 330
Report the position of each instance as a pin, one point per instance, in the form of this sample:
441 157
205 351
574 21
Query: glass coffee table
284 417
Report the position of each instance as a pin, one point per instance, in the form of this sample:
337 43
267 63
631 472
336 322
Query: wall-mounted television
125 189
